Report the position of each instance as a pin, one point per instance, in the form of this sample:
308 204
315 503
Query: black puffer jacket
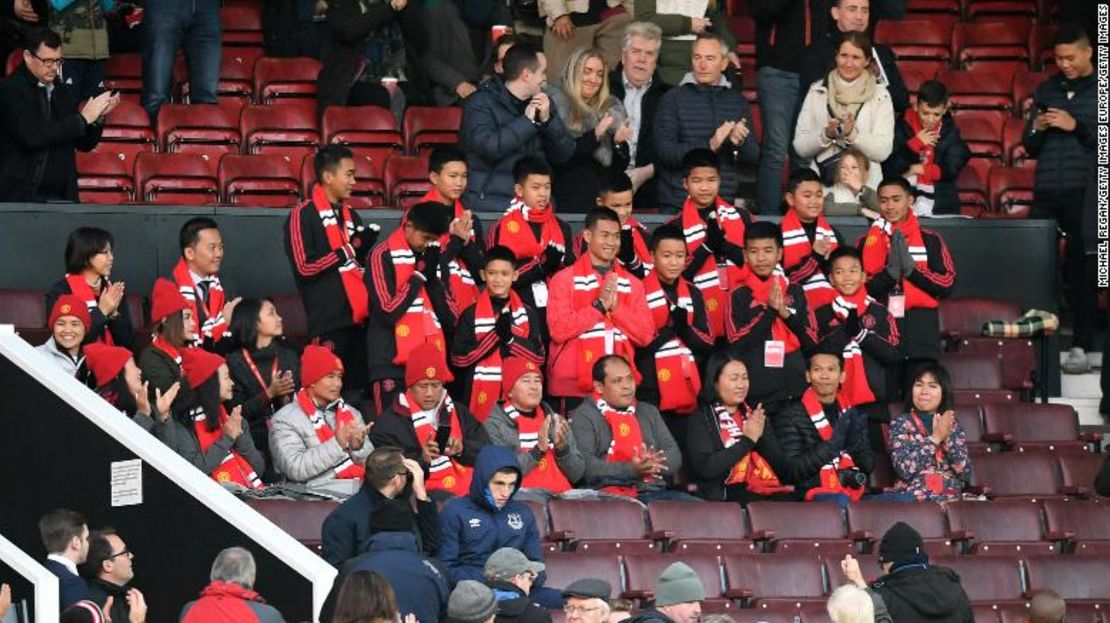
711 461
926 594
1063 158
805 453
951 154
515 606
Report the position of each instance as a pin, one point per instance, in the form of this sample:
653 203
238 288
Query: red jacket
566 323
224 602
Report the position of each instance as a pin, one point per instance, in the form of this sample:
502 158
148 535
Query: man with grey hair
510 575
230 596
637 84
587 601
573 24
850 604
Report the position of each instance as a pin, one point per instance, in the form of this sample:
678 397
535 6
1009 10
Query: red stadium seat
918 38
799 527
757 120
1076 613
599 526
980 8
965 317
987 580
128 123
984 90
543 523
982 131
208 129
1011 191
302 519
932 7
564 568
717 527
990 45
369 190
999 527
263 180
370 128
1031 426
14 60
104 177
124 73
1078 579
780 580
281 78
171 179
1078 470
293 316
1024 86
241 25
743 28
869 521
976 397
1018 357
973 370
1085 523
642 573
288 128
1014 150
1015 474
236 75
883 476
406 180
1041 49
972 186
26 309
426 127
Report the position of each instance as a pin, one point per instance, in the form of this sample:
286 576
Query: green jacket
82 27
674 54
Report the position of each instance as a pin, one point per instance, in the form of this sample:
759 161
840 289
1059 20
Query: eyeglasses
49 62
580 609
125 552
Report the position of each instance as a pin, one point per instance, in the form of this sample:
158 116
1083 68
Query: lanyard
921 428
257 374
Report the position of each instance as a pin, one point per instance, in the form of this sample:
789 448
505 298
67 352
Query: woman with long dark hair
366 597
89 259
174 329
264 369
928 446
730 446
117 379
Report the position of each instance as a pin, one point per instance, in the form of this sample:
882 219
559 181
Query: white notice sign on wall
127 482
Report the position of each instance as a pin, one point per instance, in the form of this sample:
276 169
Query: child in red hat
318 438
69 324
424 421
174 327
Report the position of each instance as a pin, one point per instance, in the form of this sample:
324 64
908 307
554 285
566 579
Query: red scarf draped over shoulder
855 388
627 440
324 432
761 289
418 324
546 474
876 247
639 242
605 337
487 372
233 468
515 231
752 470
81 289
215 325
830 479
339 235
444 473
796 248
461 280
676 371
715 281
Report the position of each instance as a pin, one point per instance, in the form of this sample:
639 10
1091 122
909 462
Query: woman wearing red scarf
174 330
117 379
731 446
89 261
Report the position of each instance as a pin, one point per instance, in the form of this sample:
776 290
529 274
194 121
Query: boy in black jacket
929 152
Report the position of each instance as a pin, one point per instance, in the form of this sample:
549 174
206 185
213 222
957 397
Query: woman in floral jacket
927 445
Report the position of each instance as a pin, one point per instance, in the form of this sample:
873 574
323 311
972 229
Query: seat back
262 180
981 130
123 72
1018 356
428 126
26 309
1073 577
977 89
872 520
1016 474
302 519
293 316
211 129
1032 424
369 190
370 128
965 317
976 397
1079 469
642 572
104 177
1011 189
996 522
973 370
288 128
916 39
241 25
566 567
597 519
811 523
781 576
1085 520
539 512
722 522
280 78
985 579
175 179
406 180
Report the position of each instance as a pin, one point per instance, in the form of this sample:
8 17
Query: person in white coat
848 108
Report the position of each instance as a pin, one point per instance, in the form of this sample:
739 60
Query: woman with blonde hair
599 125
850 195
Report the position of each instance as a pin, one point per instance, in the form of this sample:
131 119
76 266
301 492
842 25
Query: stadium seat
962 321
1014 150
1032 426
1011 190
124 73
1024 86
26 309
281 78
778 580
139 322
293 316
1018 357
175 179
262 180
1029 474
369 190
965 317
973 370
288 128
972 187
208 129
743 28
1041 50
1085 523
426 127
104 177
1078 471
370 128
883 476
1078 579
241 25
566 567
999 527
599 526
869 521
799 527
987 580
1076 613
302 519
914 39
543 523
982 90
642 572
981 130
932 7
127 131
716 527
991 45
406 180
979 8
976 397
236 81
757 120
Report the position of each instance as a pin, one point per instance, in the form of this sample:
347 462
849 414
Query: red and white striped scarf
444 473
856 389
796 248
876 247
714 280
605 337
546 474
830 478
627 439
233 467
676 371
487 372
215 326
418 324
340 236
81 289
324 432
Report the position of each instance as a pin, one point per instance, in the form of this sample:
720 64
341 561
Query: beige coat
874 134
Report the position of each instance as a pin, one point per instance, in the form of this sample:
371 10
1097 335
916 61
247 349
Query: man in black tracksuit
326 244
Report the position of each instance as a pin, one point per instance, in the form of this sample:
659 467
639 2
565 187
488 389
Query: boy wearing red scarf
497 326
317 438
807 238
327 244
770 326
538 238
908 269
616 194
196 274
430 427
714 232
862 330
823 438
669 363
409 305
463 243
596 309
929 152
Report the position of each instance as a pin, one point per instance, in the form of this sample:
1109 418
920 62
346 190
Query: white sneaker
1076 362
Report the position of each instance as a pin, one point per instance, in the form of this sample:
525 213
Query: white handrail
45 582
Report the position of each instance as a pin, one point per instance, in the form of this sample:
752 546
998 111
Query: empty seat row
994 190
986 44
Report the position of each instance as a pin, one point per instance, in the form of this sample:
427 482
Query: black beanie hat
391 516
900 544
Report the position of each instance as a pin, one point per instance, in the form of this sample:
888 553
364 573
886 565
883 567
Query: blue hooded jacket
473 528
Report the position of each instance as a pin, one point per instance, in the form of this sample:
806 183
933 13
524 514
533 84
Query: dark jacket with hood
820 58
420 586
806 453
950 155
515 606
346 532
474 528
924 593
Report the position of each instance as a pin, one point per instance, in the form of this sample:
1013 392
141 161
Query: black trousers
349 343
1079 270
